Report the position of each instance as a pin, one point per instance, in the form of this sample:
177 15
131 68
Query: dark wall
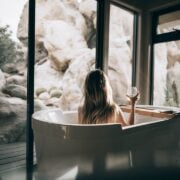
148 5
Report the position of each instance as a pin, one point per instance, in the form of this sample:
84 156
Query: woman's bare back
117 117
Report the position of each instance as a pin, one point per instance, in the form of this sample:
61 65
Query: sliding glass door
13 88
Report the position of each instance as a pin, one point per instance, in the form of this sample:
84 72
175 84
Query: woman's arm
130 121
120 118
131 116
132 113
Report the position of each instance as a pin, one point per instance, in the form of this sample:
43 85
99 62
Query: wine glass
133 95
132 91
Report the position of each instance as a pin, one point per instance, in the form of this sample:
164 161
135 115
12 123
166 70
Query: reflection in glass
120 52
13 53
167 74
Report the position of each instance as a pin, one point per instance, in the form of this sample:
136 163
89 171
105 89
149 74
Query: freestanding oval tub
62 144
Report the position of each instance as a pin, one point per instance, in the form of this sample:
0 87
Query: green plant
7 46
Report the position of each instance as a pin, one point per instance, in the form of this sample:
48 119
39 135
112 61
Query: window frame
160 38
30 90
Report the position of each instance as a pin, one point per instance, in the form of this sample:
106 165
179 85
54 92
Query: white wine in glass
132 92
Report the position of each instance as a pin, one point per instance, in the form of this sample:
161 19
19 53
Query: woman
98 106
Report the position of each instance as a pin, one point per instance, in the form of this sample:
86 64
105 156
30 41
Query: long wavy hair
98 106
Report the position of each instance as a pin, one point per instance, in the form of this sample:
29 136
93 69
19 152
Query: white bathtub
62 144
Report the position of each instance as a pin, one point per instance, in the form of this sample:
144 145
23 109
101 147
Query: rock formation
67 33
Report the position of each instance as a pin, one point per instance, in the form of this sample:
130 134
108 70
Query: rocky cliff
65 35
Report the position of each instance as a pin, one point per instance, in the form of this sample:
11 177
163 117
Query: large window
166 72
121 59
13 89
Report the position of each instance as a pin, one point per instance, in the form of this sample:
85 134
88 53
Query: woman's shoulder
120 116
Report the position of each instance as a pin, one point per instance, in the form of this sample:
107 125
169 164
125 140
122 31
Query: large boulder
59 10
62 41
15 91
13 118
46 10
73 80
10 68
46 77
17 79
60 31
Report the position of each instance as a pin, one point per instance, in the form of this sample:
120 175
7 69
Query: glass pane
167 74
169 22
120 52
65 51
13 89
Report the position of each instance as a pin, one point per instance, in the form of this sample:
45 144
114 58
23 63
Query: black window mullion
167 37
30 90
102 40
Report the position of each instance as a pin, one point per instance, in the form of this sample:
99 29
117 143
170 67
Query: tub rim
34 117
163 108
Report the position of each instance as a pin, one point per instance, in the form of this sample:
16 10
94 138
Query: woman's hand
133 99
